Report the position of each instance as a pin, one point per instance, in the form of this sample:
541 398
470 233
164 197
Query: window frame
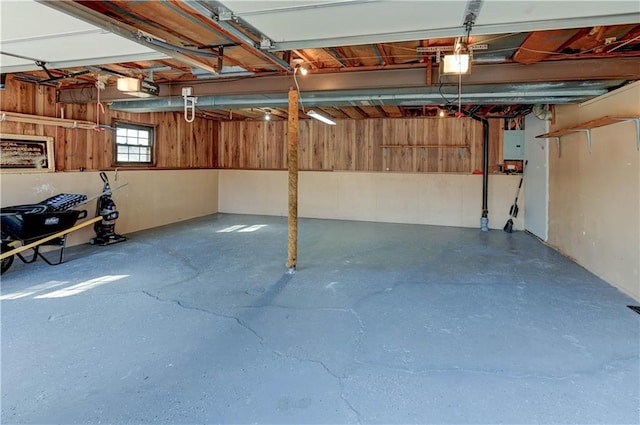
152 144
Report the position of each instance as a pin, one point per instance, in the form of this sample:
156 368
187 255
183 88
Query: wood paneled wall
178 144
412 144
401 145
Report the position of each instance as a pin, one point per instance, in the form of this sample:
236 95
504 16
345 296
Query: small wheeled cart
28 227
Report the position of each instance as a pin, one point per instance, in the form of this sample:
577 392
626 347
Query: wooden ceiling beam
388 59
352 112
511 73
597 38
373 112
334 112
625 40
112 25
306 58
392 111
381 111
540 45
337 56
578 35
230 31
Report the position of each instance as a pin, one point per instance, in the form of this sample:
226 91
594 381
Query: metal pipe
484 218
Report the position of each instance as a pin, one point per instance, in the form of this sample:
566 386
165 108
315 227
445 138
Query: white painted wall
536 200
594 198
151 198
437 199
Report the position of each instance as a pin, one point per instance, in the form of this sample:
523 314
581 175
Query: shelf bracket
588 131
557 143
637 121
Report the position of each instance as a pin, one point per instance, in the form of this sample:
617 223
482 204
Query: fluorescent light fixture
137 87
457 63
319 117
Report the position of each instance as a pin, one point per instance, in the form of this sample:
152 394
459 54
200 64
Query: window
134 144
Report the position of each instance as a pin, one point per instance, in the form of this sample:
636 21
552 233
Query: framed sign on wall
21 153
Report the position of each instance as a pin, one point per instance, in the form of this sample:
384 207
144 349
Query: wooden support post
429 72
292 153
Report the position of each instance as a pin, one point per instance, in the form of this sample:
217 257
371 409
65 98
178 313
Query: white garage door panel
28 19
333 23
355 19
36 31
95 45
253 7
504 12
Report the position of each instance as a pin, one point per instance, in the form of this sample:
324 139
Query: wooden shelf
40 120
585 127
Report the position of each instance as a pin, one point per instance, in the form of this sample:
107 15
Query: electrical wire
448 101
299 92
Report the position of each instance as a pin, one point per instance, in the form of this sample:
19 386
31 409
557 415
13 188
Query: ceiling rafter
306 58
538 46
588 55
387 58
109 24
382 111
227 29
625 41
337 56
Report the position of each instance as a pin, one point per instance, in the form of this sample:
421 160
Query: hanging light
267 116
320 117
442 113
299 67
458 63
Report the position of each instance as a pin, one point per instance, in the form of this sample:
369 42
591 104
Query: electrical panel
513 147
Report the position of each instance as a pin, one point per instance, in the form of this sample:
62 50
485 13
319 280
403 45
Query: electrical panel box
513 147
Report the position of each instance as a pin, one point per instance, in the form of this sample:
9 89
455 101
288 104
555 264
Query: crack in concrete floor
264 343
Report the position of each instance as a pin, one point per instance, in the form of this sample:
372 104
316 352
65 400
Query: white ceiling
35 31
300 24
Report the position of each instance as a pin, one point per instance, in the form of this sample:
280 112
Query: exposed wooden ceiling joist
351 75
576 70
109 24
540 45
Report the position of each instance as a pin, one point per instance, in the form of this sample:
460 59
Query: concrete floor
382 323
